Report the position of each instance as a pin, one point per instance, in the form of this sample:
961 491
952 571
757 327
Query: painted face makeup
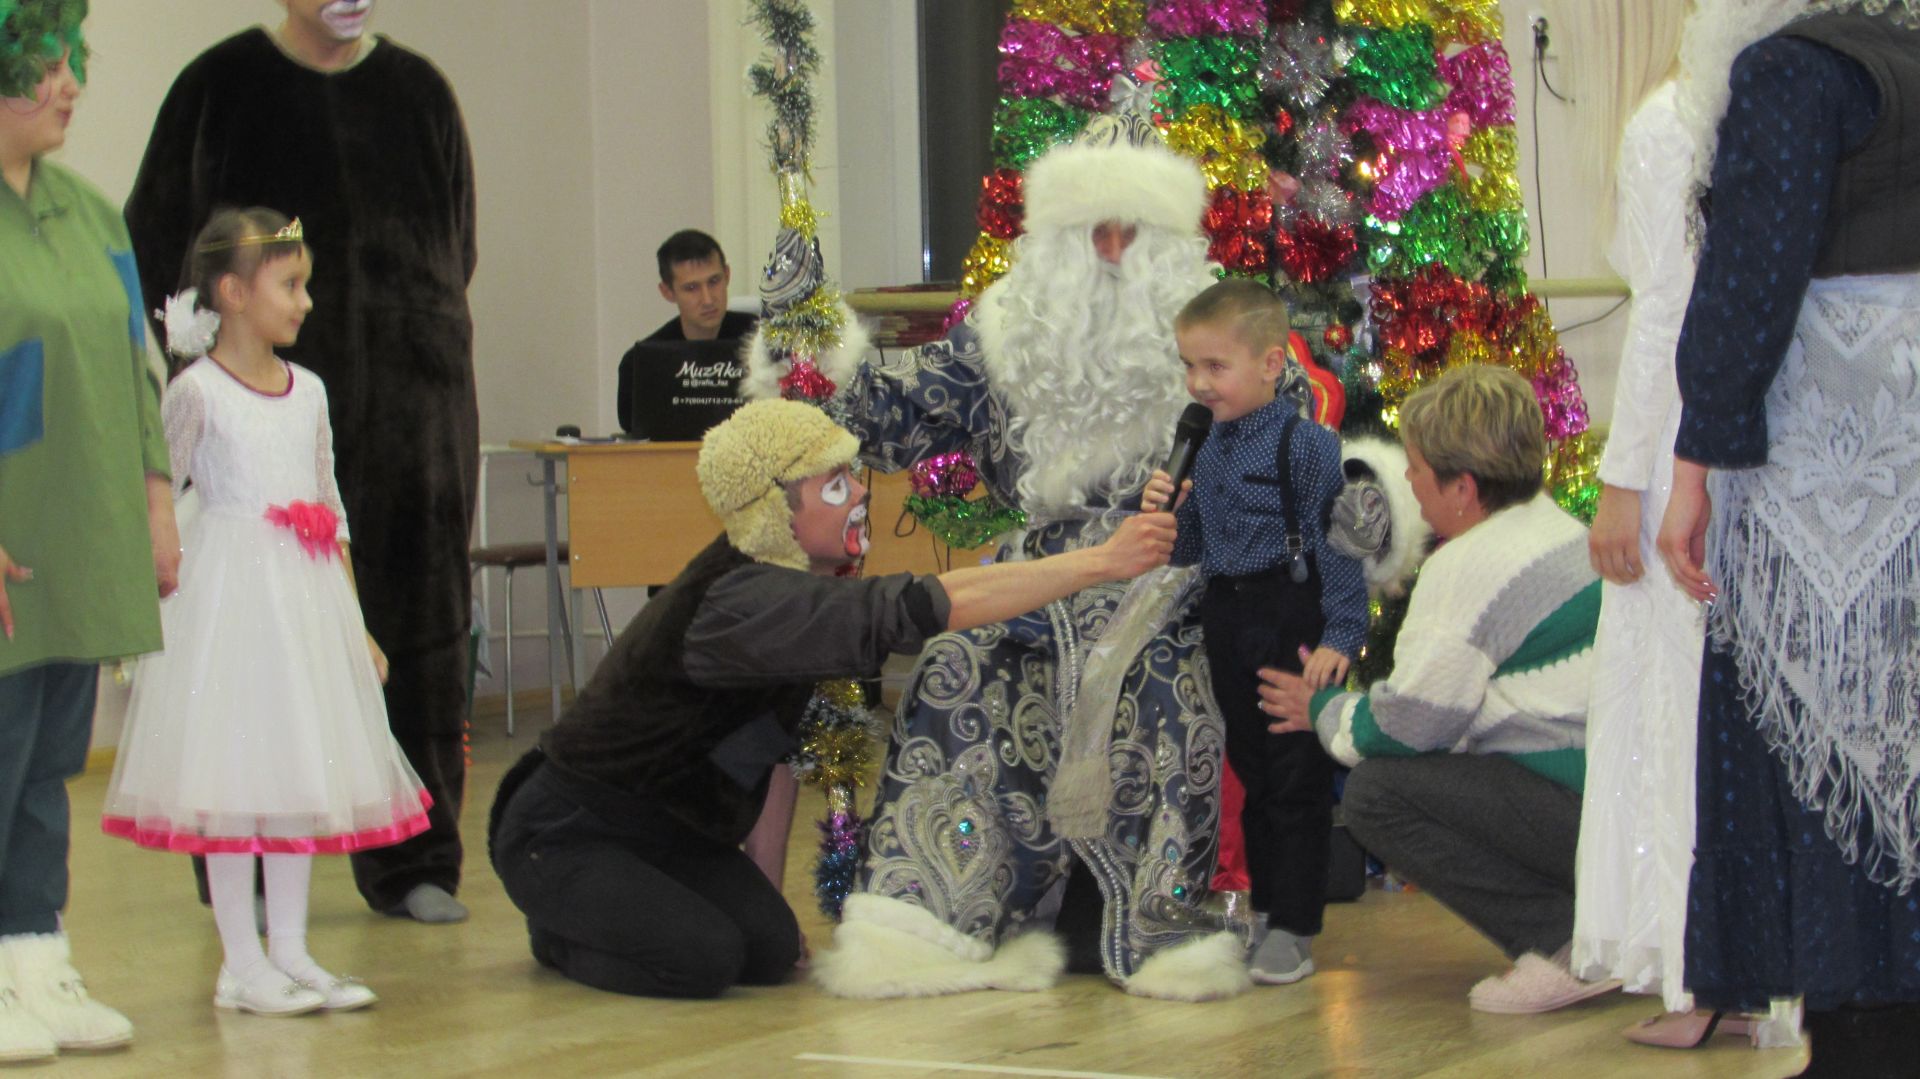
347 19
858 536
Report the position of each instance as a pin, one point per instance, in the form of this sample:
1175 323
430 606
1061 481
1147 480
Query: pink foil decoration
1044 61
1408 177
1482 81
956 314
1399 130
1561 402
944 475
1208 18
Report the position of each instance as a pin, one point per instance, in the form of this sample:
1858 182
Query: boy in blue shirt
1278 595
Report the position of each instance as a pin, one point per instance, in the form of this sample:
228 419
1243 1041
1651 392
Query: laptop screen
678 389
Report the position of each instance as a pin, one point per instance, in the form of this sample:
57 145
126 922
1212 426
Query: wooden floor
467 1000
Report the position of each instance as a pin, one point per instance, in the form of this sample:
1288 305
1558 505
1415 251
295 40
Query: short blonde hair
1482 421
1251 311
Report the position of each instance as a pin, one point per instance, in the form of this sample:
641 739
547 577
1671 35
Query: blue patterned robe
960 828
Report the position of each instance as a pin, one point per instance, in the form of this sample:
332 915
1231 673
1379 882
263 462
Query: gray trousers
1491 840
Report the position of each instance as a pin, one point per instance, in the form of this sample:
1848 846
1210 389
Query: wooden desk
635 516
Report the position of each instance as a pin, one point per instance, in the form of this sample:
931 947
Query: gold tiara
292 233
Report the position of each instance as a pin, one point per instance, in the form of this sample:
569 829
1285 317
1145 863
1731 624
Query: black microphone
1188 435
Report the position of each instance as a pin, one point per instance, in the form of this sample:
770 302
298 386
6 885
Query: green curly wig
33 33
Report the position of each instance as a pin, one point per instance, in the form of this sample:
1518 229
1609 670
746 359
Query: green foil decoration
1025 128
1398 67
1218 71
964 525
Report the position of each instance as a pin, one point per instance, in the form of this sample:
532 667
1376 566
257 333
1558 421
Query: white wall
600 126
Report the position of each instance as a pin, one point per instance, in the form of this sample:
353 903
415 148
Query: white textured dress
261 727
1636 824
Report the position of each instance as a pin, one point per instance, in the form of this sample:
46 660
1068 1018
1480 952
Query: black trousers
427 709
634 902
1250 622
426 694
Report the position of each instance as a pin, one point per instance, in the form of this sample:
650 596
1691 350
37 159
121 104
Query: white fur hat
745 461
1081 185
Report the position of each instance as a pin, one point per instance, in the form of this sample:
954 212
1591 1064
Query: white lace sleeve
183 416
323 467
1650 251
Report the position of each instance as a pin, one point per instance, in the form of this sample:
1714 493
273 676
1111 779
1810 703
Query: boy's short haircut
1251 310
1483 421
687 245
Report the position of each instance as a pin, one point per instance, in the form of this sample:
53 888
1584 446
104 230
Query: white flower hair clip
190 328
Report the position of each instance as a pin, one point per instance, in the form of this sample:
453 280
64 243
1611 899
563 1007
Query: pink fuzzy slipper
1536 984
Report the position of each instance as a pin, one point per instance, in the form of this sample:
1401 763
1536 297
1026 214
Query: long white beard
1082 351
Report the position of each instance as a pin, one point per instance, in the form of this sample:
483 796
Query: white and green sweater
1494 656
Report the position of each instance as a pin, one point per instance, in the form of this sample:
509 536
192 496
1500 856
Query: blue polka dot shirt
1235 522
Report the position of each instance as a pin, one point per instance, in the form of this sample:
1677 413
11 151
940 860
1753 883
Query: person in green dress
86 513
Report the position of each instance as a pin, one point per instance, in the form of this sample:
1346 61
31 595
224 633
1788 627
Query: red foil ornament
1314 251
1337 337
1002 206
804 382
1238 224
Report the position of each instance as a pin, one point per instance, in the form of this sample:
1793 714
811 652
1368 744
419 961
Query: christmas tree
1362 160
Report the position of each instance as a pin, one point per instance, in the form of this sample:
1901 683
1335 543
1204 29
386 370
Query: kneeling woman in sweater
1468 759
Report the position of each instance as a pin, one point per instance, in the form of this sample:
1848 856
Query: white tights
230 883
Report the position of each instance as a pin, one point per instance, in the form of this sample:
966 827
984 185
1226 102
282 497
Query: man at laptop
693 277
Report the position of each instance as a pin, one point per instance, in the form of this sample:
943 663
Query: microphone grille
1196 418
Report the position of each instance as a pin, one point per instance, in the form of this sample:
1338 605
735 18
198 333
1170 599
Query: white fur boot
891 948
22 1037
1212 967
51 991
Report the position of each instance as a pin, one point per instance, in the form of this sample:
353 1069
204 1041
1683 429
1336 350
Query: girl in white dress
261 729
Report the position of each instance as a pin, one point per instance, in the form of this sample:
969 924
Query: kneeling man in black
618 836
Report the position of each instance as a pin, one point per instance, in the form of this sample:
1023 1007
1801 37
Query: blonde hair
1251 311
1481 421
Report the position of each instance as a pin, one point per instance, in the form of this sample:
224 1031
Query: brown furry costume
374 160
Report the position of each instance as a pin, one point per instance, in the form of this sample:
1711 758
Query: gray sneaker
1281 958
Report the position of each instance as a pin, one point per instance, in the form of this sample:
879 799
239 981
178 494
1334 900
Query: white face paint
858 539
347 19
836 490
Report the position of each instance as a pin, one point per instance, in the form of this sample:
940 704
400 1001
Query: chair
514 556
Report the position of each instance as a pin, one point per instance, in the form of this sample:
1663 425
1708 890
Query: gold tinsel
1532 345
801 217
1388 14
989 260
842 755
1468 22
1466 346
1123 17
1575 461
809 327
844 693
1227 150
1494 179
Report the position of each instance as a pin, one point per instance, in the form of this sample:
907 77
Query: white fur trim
1407 536
891 948
1207 968
839 363
1080 186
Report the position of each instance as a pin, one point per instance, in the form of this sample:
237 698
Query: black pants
426 707
1262 620
634 902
